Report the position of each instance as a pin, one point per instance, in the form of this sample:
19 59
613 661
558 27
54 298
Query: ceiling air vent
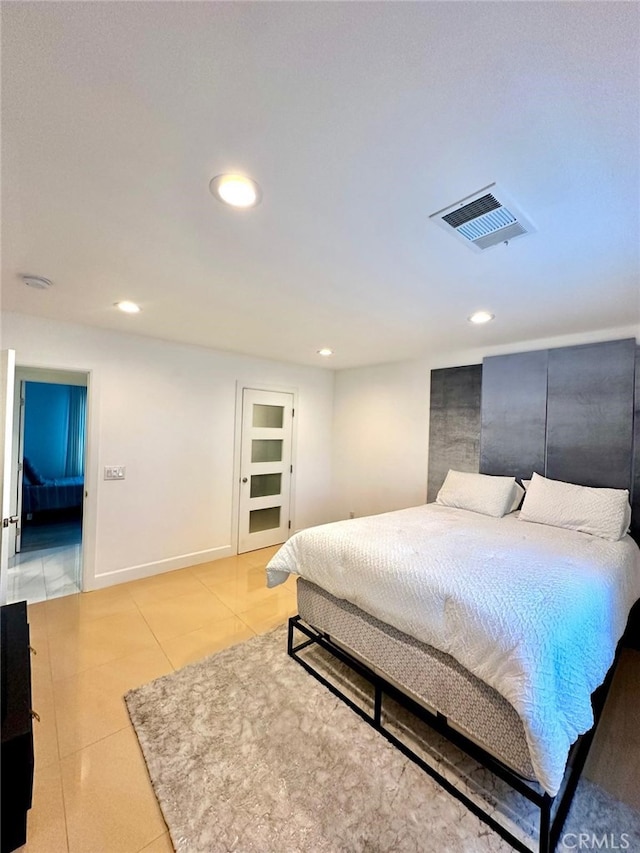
484 219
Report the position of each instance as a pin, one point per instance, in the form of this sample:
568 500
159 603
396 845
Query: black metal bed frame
549 829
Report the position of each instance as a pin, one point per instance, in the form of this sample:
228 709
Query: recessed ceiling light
37 281
236 190
481 317
325 351
128 307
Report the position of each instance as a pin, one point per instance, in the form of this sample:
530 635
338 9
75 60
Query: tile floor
91 789
48 573
50 534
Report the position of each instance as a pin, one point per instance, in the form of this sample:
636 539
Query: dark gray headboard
454 431
571 414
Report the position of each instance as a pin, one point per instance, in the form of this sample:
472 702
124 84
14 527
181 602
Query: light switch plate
114 472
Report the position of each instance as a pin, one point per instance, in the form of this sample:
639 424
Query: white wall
380 440
167 412
381 425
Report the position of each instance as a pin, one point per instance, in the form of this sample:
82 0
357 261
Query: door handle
13 519
245 480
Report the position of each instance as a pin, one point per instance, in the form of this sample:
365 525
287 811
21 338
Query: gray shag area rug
249 753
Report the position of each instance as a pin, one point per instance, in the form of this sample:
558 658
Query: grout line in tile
99 740
55 719
112 660
64 809
153 840
246 624
158 643
97 619
222 602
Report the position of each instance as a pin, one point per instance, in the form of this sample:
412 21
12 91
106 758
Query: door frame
91 469
237 450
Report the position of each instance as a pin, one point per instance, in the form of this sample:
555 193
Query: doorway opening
45 556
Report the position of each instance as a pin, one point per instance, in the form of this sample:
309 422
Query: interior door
265 469
17 464
7 379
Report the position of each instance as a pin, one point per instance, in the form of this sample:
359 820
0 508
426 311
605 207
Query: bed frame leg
377 707
290 636
545 824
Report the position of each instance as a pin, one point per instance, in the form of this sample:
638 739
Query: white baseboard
146 570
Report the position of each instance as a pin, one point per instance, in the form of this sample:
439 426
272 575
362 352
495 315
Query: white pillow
601 512
493 496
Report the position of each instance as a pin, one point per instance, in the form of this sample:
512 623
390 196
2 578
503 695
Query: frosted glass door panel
266 450
271 417
263 485
264 519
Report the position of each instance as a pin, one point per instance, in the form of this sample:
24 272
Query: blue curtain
74 466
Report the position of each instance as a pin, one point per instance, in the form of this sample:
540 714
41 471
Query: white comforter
534 611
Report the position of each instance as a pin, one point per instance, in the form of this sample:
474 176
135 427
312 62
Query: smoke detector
484 219
37 281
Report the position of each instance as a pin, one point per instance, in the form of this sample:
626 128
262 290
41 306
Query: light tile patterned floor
91 791
48 573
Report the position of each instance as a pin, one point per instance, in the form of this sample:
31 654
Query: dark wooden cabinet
17 732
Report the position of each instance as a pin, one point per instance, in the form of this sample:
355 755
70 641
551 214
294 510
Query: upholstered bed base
434 679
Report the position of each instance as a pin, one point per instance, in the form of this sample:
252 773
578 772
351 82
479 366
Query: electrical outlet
114 472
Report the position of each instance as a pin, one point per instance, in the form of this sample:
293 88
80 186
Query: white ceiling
358 120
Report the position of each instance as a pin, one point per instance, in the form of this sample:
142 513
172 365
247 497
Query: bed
58 494
41 494
502 628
